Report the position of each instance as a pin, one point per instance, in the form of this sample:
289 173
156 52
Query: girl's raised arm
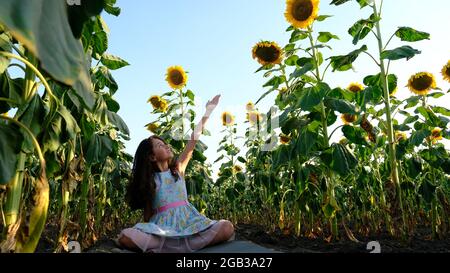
186 155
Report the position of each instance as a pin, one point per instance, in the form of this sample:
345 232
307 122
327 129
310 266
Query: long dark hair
141 187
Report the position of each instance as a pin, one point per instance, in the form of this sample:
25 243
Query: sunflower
282 90
436 135
155 101
237 168
254 116
176 77
266 53
227 119
355 87
163 105
400 136
348 118
152 127
421 83
284 139
446 71
301 13
250 106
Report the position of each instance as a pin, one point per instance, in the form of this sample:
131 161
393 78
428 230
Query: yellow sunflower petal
421 83
176 77
436 134
301 13
152 127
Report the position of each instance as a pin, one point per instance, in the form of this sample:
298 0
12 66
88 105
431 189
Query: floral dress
175 217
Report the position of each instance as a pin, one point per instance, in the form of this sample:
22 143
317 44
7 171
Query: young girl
172 224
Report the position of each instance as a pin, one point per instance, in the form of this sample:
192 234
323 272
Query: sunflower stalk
390 130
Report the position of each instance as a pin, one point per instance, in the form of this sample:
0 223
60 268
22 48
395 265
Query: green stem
390 130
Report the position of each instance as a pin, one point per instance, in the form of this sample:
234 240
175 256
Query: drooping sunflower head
400 136
301 13
446 71
155 101
355 87
164 105
254 117
284 139
152 127
436 134
266 53
227 119
176 77
250 106
237 168
348 118
421 83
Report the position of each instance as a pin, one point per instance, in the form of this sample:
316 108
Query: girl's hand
211 104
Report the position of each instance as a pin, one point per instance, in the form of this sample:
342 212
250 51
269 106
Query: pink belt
171 205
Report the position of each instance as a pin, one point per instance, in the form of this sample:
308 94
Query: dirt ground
420 243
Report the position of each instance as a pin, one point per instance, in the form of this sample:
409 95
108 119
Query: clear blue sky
213 39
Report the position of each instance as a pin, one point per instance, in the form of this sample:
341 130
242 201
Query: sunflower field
64 169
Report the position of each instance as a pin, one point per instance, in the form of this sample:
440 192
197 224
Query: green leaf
363 3
109 8
435 95
430 117
417 137
342 106
5 45
412 101
321 18
324 37
302 71
48 35
10 143
306 140
311 96
113 62
275 81
291 61
33 118
103 78
340 159
400 53
344 63
354 134
360 29
298 35
411 35
441 110
99 147
338 2
190 94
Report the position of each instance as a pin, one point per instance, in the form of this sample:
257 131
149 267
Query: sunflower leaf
302 71
338 2
10 141
417 137
321 18
411 35
5 45
442 110
342 106
400 53
361 28
311 96
324 37
436 95
292 60
113 62
344 62
354 134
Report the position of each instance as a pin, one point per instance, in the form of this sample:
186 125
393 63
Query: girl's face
161 151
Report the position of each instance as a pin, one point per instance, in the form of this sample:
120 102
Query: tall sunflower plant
387 121
308 103
175 115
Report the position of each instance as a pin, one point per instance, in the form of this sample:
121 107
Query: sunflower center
436 134
447 71
422 82
355 88
176 77
302 10
268 53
